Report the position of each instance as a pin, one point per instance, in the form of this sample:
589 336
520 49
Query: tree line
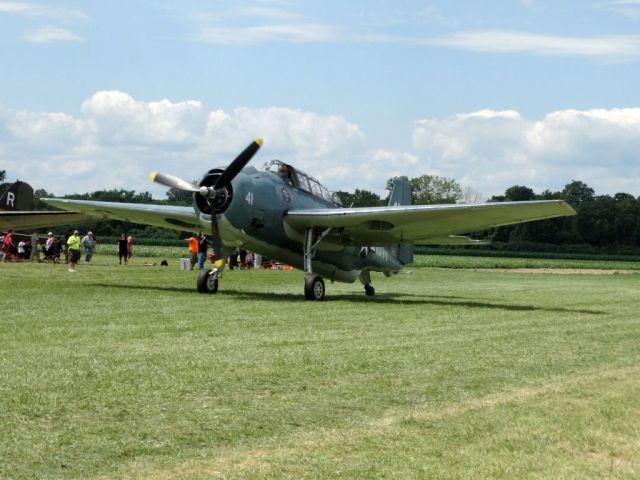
610 223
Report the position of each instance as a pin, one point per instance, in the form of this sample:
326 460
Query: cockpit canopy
301 180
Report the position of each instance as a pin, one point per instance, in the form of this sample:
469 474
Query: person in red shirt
8 248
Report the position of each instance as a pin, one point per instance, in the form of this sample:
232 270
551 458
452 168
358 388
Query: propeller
217 194
173 182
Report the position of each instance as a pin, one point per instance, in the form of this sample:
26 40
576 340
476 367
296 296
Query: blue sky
95 94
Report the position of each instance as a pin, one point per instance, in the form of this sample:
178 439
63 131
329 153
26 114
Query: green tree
3 175
360 198
179 197
578 193
519 193
430 189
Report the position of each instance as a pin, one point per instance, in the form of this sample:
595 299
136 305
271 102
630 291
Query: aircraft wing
165 216
379 226
31 220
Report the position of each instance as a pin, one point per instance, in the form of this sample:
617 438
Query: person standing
66 247
129 247
203 245
193 249
7 246
35 254
73 245
21 249
88 245
122 249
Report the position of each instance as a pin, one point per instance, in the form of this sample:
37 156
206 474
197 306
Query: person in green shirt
74 250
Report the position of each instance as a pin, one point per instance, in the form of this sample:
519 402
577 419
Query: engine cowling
220 199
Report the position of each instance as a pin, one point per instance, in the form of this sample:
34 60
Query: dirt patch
560 271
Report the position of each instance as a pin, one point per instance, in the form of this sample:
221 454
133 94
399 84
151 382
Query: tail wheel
369 290
207 281
314 288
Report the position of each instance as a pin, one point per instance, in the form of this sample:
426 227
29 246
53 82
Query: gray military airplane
282 213
16 211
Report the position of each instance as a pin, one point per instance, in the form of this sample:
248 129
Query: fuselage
254 220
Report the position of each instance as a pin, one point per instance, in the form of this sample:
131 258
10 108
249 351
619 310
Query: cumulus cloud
491 150
116 140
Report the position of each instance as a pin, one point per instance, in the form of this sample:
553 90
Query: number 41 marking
249 198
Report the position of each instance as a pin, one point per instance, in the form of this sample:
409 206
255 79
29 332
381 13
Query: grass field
126 372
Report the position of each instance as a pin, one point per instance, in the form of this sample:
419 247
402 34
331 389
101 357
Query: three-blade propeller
216 191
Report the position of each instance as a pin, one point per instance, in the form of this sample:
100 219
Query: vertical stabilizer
19 196
401 195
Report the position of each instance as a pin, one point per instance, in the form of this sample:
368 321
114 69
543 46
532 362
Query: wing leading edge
422 223
165 216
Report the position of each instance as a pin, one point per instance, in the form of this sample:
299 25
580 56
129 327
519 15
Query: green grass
126 372
455 261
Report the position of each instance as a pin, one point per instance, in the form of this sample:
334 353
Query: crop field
449 373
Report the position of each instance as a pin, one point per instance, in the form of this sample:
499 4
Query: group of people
125 248
199 245
73 248
72 245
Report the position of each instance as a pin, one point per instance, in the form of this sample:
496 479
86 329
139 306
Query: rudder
19 196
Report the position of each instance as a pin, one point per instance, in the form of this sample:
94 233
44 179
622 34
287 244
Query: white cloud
116 140
290 33
122 138
607 47
496 41
119 119
494 150
51 34
37 10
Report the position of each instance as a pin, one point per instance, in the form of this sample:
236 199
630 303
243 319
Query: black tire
369 290
207 282
314 288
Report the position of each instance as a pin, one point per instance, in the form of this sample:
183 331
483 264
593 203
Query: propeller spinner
217 194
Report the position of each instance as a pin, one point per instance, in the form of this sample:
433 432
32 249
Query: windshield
299 179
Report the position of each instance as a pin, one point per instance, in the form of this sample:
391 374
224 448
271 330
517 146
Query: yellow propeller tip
152 176
259 141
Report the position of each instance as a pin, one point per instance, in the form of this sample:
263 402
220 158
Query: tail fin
19 196
401 195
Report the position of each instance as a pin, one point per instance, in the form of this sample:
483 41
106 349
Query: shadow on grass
384 298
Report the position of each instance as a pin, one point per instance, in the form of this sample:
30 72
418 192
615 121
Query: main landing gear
208 281
313 283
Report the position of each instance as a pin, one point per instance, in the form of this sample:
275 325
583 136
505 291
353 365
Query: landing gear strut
313 284
365 278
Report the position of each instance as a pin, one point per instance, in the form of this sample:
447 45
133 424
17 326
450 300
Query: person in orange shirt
193 249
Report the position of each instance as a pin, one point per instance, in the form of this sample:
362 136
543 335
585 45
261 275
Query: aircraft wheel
369 290
314 288
207 281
